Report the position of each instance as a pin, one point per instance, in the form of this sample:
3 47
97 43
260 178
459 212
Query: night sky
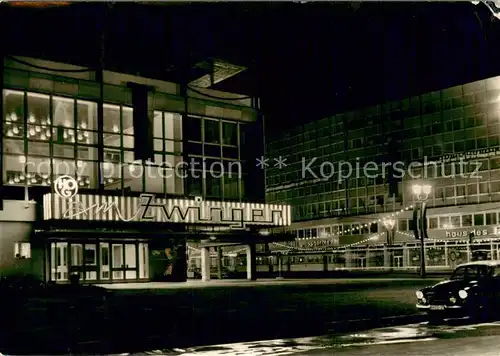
306 61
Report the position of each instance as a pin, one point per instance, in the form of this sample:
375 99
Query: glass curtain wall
49 136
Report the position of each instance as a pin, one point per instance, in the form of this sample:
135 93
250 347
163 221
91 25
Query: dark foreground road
409 340
185 317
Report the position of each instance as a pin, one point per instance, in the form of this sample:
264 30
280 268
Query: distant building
439 130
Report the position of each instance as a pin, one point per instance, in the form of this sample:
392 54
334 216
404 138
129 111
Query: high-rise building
345 173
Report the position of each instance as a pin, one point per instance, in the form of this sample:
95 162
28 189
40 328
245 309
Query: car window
458 274
476 272
470 272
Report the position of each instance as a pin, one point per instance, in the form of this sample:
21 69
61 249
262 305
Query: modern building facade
449 139
112 179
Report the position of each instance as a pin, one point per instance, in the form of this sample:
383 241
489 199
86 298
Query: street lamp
389 224
421 192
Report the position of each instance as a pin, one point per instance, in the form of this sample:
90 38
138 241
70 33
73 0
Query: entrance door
84 260
124 258
105 263
398 261
361 262
77 260
90 261
58 261
118 265
130 259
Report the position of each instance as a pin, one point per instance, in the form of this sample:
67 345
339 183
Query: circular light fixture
463 294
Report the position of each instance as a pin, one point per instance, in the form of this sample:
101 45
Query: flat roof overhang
148 230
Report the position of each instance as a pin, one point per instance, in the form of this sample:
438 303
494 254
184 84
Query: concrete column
251 262
387 258
219 262
406 257
348 258
205 264
446 262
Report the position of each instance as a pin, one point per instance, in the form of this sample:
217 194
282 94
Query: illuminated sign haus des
147 207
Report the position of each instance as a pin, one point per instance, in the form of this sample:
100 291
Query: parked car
472 292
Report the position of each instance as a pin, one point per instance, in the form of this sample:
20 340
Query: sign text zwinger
237 217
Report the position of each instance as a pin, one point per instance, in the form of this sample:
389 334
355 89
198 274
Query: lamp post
389 225
421 192
279 254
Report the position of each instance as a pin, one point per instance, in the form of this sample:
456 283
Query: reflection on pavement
389 335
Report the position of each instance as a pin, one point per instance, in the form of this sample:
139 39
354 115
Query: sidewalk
191 284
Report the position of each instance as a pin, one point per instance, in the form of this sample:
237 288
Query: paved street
408 340
182 317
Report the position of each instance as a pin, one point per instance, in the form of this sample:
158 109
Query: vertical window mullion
143 170
163 153
51 154
223 180
75 132
202 124
122 154
240 176
25 141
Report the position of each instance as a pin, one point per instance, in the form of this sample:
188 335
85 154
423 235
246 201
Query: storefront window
192 129
231 189
466 220
491 218
229 134
212 131
213 186
455 221
444 222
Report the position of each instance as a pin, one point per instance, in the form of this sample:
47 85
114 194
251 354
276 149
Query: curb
364 324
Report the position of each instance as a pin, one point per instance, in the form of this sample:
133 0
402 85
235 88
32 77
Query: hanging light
32 119
116 128
15 129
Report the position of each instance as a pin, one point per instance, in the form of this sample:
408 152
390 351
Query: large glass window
46 136
48 127
167 170
212 131
219 149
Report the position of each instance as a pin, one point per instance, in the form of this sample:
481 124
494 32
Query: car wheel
482 311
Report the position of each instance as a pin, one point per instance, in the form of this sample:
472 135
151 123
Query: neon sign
147 207
65 187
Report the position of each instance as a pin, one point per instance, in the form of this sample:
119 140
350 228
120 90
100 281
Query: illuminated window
22 250
48 126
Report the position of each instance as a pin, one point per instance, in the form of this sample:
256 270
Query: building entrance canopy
148 208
